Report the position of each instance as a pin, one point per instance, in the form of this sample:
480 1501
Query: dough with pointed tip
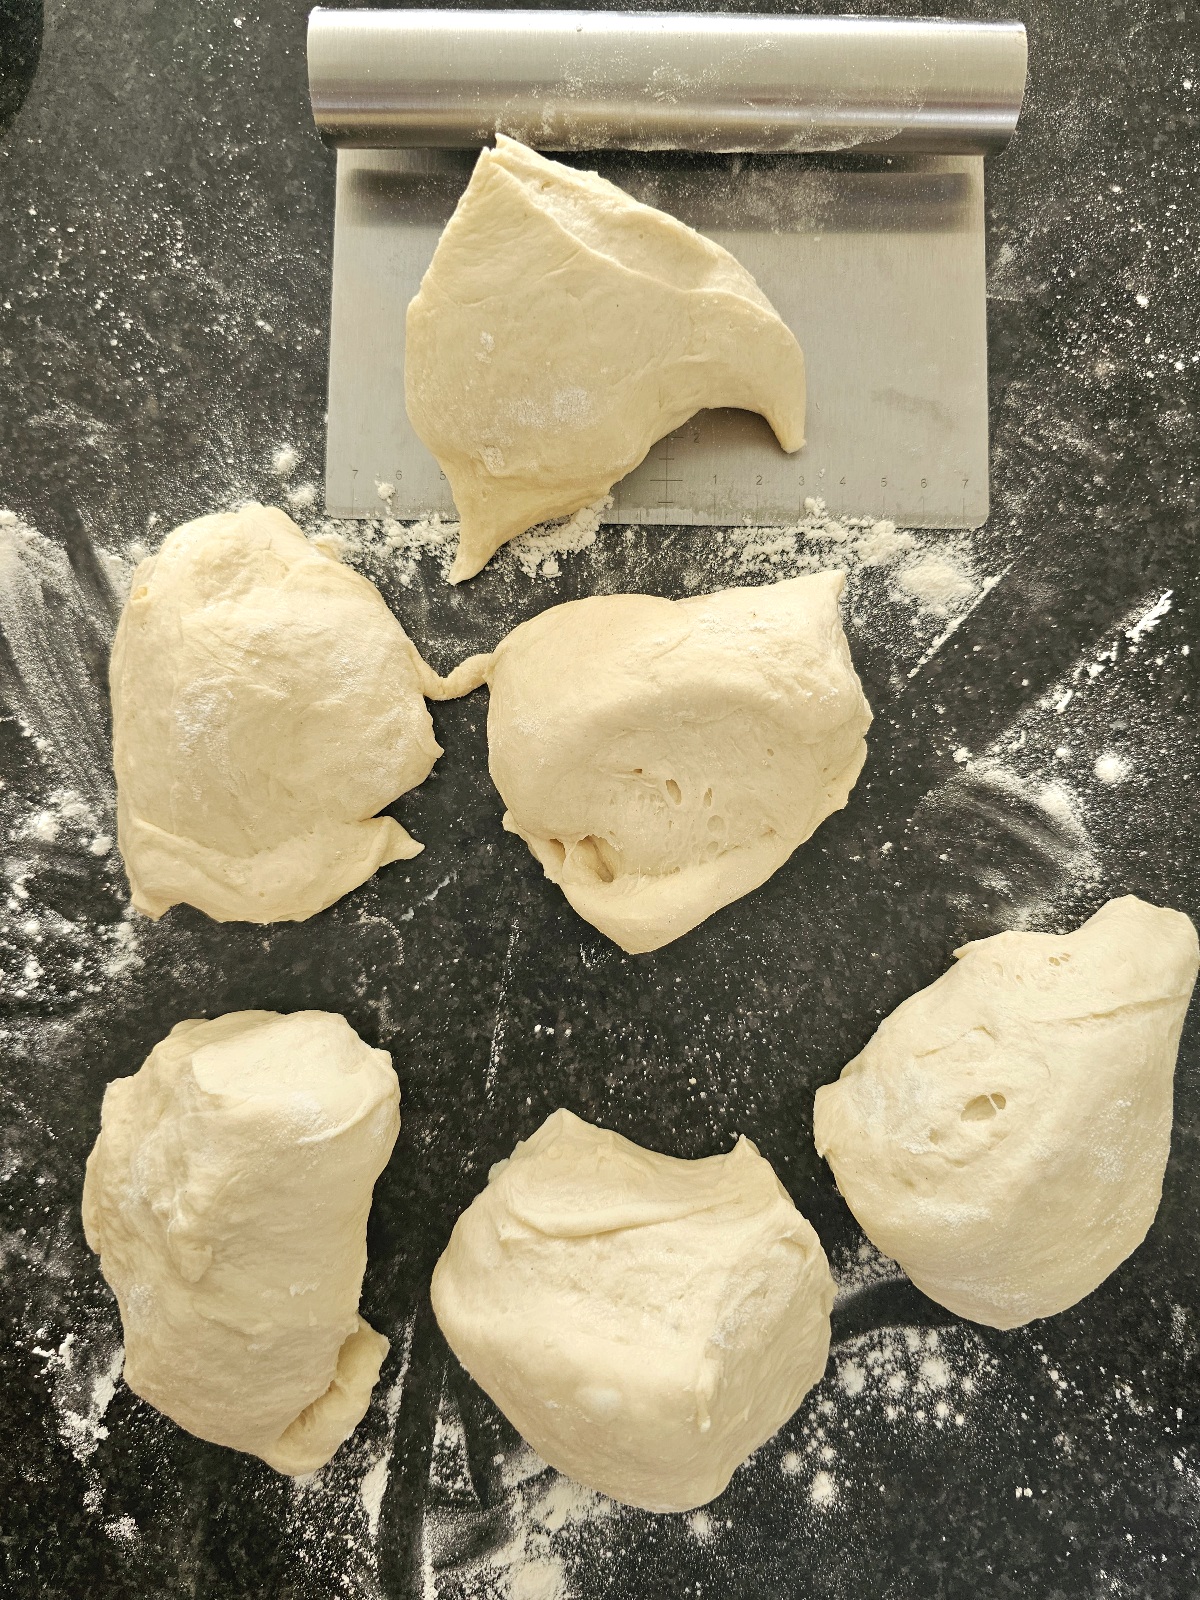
664 757
643 1322
227 1198
1004 1134
562 328
266 705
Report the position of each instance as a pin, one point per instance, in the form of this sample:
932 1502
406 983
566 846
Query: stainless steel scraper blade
877 265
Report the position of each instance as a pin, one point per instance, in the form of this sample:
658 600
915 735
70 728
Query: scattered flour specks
859 1268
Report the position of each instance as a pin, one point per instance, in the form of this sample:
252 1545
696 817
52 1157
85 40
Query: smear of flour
1025 820
403 545
537 1529
375 1479
911 581
56 637
1070 726
1014 847
334 1515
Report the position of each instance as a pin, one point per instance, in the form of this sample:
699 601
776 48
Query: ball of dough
662 758
561 329
644 1322
227 1197
266 704
1004 1134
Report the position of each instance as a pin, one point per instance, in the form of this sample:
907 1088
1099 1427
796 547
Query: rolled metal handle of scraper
592 80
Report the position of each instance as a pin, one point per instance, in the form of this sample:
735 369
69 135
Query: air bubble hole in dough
644 1322
662 758
562 328
266 705
1005 1133
227 1197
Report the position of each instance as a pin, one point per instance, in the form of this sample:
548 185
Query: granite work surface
164 281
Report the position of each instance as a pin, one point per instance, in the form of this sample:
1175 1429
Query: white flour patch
882 545
302 497
700 1526
371 1492
537 552
1149 618
83 1384
1111 768
938 585
823 1489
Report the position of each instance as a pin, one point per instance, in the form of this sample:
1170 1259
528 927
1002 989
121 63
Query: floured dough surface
662 758
1004 1134
644 1322
227 1197
266 705
562 328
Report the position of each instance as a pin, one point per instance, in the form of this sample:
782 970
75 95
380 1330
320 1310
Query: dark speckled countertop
164 280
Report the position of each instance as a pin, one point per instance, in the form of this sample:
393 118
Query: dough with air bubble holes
662 758
1004 1134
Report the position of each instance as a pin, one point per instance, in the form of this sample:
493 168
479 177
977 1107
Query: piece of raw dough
1004 1134
266 704
227 1197
643 1322
662 758
561 328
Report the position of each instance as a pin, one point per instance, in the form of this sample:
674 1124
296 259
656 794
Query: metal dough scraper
839 159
